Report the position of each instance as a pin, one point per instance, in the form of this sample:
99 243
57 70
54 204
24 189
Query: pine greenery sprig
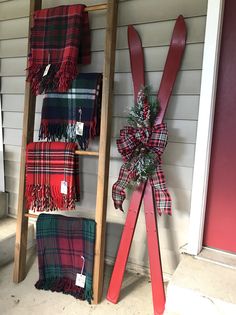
143 115
144 112
145 166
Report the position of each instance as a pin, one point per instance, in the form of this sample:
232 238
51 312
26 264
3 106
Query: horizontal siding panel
14 136
135 12
14 9
148 33
180 204
195 27
14 28
13 48
188 82
86 207
141 13
176 176
179 130
192 61
12 184
138 252
13 67
180 107
167 243
154 59
19 8
13 85
12 153
181 154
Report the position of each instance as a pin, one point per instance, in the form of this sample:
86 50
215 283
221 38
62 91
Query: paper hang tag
46 70
79 128
80 280
64 187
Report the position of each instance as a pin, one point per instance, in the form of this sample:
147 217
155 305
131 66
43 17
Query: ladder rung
88 153
96 7
31 215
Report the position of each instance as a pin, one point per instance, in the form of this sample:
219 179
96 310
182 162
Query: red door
220 223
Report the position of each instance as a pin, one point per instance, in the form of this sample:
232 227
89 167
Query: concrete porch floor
203 285
23 298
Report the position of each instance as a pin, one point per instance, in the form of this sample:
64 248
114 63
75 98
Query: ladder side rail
104 148
19 271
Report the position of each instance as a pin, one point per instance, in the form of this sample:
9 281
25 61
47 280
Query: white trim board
205 123
2 178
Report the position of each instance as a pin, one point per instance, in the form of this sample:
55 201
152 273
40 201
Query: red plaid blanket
52 176
60 37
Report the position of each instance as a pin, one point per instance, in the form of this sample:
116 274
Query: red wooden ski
171 68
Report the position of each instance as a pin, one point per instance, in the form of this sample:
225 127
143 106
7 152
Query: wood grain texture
104 148
27 136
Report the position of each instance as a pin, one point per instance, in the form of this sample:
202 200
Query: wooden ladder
103 154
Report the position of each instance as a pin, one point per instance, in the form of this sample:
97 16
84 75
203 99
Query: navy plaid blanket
62 112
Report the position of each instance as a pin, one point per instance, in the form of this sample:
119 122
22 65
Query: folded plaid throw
61 241
60 37
48 164
61 112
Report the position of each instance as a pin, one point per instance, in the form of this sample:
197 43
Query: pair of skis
144 191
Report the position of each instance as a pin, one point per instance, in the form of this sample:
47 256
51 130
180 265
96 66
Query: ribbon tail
161 194
118 189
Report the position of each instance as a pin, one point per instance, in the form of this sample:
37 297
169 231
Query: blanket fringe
58 78
49 198
66 132
65 285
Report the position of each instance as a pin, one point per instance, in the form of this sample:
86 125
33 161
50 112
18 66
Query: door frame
214 21
2 178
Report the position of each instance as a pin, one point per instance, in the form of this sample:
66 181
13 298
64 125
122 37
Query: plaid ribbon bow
134 142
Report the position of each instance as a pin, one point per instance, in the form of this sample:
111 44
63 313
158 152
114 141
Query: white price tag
46 70
80 280
79 128
64 187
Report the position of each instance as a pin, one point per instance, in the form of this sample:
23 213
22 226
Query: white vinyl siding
154 20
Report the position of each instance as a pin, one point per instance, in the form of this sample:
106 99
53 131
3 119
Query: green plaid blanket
63 243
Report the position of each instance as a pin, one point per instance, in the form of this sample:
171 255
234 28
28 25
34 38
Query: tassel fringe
65 132
58 78
67 286
49 198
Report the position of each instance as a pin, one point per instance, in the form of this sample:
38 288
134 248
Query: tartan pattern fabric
130 140
60 36
61 243
47 165
61 111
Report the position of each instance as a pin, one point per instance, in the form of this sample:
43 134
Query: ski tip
132 33
181 23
